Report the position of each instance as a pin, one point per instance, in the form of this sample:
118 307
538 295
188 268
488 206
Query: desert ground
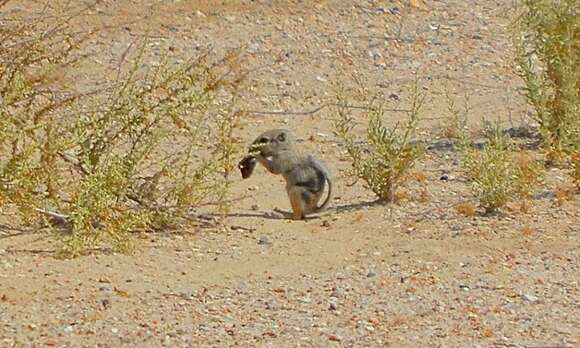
413 274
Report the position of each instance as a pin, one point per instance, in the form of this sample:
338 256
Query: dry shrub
491 175
499 176
547 39
142 153
384 165
34 56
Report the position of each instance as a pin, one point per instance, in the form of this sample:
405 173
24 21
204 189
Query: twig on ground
323 106
57 218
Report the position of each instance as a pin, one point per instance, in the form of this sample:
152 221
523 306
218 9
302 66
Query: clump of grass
498 175
143 153
491 175
391 153
548 48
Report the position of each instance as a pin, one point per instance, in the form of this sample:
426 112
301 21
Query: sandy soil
415 274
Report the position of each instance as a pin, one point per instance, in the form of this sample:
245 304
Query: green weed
391 153
142 153
547 40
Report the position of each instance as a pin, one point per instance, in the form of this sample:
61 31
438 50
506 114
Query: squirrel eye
282 137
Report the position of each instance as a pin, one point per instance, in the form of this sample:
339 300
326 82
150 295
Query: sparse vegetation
455 126
391 154
431 272
128 157
548 46
491 174
119 160
529 174
499 176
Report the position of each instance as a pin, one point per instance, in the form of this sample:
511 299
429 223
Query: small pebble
445 177
264 241
336 293
334 338
529 298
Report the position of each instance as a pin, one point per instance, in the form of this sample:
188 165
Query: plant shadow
279 214
355 206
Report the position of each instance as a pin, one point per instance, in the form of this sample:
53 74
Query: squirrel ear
282 137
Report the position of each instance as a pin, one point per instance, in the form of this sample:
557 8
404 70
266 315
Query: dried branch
317 109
